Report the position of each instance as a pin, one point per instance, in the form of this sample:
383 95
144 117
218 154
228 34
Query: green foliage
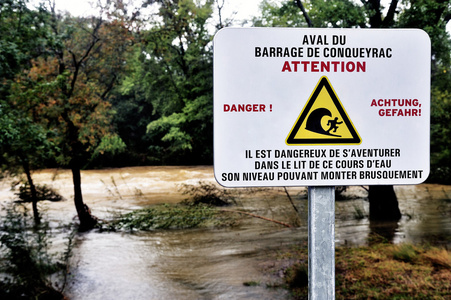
440 137
26 261
324 14
285 15
168 217
337 14
172 80
110 143
21 139
196 211
133 110
110 152
22 36
431 17
170 129
66 90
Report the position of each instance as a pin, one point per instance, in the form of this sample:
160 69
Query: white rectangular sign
311 107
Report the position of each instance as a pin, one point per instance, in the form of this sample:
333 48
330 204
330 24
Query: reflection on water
196 264
213 263
384 229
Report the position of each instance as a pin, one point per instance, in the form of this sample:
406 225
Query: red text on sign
324 66
245 107
405 112
395 102
398 112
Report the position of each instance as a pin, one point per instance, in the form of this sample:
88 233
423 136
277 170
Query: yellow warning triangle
323 120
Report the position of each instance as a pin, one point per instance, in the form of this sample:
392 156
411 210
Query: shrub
207 193
25 260
166 216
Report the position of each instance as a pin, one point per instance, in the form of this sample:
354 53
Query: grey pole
321 243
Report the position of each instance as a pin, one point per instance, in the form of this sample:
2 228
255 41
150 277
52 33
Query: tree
22 37
172 79
86 57
23 143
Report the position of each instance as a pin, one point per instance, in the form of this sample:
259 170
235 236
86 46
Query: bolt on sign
321 107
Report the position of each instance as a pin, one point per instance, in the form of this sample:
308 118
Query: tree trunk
34 194
383 203
87 221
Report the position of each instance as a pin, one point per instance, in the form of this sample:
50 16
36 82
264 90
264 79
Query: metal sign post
321 243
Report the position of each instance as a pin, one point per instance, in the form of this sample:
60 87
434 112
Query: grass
251 283
381 271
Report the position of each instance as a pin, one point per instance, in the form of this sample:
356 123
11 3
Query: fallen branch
256 216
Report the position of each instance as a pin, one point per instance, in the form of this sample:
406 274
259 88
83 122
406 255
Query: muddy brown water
212 263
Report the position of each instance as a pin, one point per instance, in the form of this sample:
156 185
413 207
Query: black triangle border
291 140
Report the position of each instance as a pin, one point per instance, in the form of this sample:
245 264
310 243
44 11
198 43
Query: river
212 263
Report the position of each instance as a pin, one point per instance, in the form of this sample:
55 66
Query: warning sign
321 107
323 121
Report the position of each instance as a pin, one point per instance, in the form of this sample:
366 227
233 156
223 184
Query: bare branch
304 12
77 64
220 7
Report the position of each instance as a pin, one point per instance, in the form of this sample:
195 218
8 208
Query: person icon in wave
333 124
314 122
